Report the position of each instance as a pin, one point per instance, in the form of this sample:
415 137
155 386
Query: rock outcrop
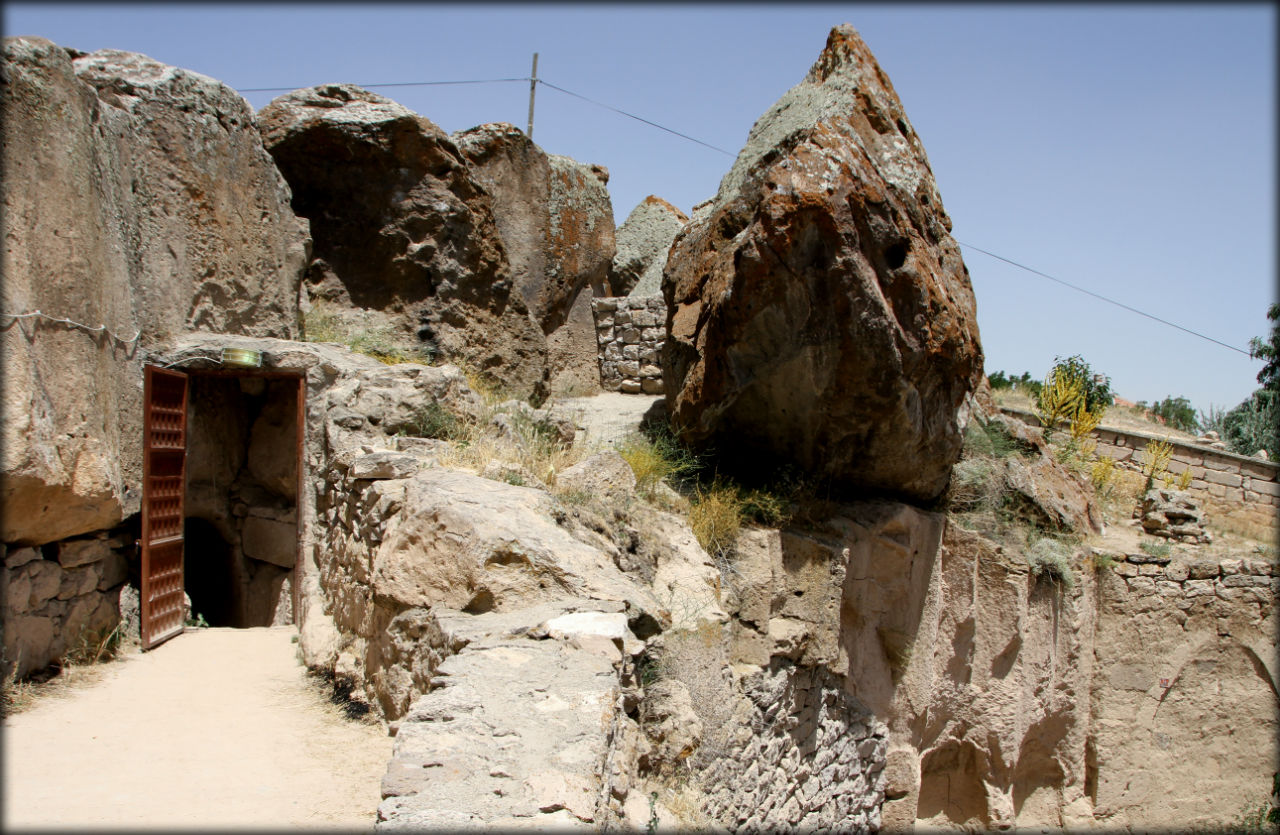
136 196
820 314
402 225
644 239
555 220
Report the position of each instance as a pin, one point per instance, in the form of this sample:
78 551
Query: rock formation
136 196
402 225
555 221
820 315
644 239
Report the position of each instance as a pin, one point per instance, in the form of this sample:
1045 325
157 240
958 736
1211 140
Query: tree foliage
1269 352
1176 412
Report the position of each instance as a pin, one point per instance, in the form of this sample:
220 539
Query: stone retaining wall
1214 472
805 756
630 331
62 598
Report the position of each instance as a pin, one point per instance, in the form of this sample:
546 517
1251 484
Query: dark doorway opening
243 468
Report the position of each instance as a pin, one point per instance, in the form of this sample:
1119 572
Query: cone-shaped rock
820 315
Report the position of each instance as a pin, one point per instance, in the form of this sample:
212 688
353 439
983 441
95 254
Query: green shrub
1176 412
433 420
1096 387
1051 560
1155 549
655 458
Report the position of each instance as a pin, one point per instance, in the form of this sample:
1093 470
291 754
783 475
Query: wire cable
1104 298
389 84
36 314
637 118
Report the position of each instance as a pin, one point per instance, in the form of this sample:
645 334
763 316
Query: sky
1128 150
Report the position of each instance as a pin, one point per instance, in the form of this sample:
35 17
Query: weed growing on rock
1102 561
1156 458
716 518
323 323
1061 397
654 459
1155 549
1050 559
433 420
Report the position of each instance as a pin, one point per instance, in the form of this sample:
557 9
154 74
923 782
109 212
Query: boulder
820 315
402 225
555 220
468 543
643 240
604 475
553 216
136 196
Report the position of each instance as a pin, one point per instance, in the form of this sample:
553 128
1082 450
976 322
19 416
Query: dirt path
215 729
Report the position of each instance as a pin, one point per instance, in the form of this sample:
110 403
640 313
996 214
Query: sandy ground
215 729
608 417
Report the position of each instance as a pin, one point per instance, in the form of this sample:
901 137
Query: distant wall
1214 472
630 331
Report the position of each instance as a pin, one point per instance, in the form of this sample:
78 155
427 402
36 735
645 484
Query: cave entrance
220 514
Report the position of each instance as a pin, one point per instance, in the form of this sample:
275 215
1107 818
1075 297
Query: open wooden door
164 449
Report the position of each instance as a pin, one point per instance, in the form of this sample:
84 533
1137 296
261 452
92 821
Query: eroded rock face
136 196
555 220
402 225
820 314
643 241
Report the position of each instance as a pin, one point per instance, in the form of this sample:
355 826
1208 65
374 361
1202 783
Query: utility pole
533 88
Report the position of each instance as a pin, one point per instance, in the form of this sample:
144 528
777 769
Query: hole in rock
896 255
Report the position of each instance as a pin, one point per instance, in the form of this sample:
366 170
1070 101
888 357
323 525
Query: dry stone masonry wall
630 331
62 597
804 755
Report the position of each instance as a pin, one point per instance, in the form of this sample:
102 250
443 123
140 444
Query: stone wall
1237 491
1184 692
630 331
804 755
62 598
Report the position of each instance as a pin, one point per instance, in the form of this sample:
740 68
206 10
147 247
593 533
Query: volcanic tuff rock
138 196
401 224
555 220
820 314
643 241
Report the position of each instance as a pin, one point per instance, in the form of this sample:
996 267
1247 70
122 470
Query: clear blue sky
1126 149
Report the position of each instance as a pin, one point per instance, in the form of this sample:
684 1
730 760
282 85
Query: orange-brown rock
555 220
820 314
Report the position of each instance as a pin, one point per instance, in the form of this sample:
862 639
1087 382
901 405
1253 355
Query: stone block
631 352
76 552
1150 570
383 465
629 369
17 592
1231 566
650 371
78 581
1267 488
651 386
1218 463
1225 478
270 541
113 571
46 579
1177 571
630 387
1124 569
16 557
630 336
